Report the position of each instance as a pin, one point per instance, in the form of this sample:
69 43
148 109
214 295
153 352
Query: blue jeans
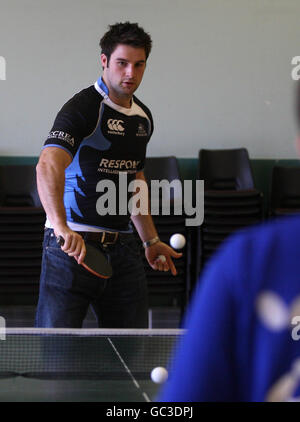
67 289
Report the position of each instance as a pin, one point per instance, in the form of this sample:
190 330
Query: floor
23 316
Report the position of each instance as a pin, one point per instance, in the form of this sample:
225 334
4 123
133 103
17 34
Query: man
243 325
99 134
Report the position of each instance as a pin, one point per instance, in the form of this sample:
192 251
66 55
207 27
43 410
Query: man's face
124 72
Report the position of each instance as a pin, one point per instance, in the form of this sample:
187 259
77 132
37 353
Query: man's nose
130 71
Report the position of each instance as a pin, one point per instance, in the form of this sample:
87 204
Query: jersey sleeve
68 129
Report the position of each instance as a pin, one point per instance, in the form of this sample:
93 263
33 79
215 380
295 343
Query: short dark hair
125 33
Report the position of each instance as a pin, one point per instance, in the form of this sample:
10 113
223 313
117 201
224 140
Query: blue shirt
240 344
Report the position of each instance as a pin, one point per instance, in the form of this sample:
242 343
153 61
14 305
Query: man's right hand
74 244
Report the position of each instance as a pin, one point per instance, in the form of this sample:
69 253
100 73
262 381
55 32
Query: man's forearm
144 226
143 222
50 183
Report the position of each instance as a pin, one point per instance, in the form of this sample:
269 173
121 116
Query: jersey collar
102 88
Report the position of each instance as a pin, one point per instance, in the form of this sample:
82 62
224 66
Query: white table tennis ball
162 258
177 241
159 375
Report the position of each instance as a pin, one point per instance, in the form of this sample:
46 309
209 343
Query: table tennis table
83 365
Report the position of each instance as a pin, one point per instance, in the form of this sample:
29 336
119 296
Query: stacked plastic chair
22 220
285 191
231 201
163 285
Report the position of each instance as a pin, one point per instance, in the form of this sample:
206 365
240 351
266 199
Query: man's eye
121 63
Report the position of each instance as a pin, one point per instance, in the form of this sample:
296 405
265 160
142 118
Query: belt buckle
106 242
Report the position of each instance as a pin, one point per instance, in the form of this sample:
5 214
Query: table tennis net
85 353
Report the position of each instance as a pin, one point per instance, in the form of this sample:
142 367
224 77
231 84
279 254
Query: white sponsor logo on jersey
119 164
141 130
63 136
115 127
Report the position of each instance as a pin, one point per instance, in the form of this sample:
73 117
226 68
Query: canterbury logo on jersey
63 136
115 127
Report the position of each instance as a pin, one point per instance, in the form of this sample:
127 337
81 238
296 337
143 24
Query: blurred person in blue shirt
243 323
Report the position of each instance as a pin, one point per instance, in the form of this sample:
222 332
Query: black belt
106 238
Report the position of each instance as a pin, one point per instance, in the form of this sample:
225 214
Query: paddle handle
60 240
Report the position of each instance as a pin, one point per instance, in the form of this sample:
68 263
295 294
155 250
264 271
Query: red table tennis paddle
95 261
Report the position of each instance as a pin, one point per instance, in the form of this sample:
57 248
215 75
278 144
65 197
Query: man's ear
104 61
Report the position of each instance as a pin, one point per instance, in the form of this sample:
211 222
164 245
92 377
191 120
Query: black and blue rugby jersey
103 140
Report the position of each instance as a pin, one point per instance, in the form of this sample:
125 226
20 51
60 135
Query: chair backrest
18 186
158 168
225 169
285 187
163 168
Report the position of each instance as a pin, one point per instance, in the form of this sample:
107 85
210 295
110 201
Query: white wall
219 75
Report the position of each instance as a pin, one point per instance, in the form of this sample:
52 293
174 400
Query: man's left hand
153 252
